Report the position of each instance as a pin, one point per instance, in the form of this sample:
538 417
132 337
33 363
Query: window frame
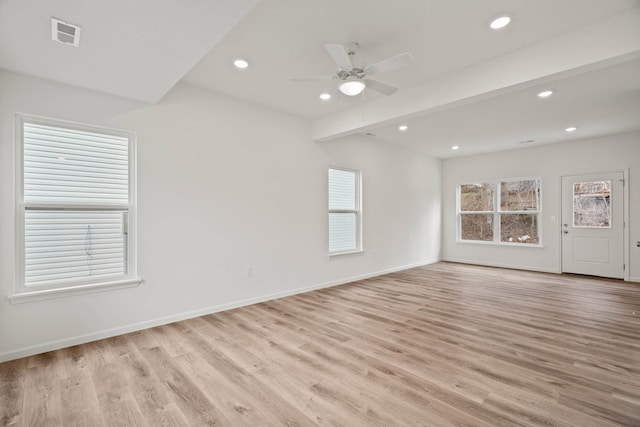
357 211
25 293
497 212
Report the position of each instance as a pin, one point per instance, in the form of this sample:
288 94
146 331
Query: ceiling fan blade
340 55
310 78
383 88
389 64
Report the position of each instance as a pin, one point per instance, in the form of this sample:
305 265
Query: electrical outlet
248 271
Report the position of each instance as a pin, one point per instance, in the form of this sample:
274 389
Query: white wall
549 162
222 185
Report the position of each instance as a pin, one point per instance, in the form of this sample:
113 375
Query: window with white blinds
344 211
76 205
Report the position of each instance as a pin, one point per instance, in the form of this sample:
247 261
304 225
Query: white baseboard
518 267
107 333
504 265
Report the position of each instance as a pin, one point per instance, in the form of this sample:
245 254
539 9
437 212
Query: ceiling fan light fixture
352 87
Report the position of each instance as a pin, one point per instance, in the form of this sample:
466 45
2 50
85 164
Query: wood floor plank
42 401
153 400
12 379
116 402
80 406
381 380
441 345
194 404
234 375
323 384
243 399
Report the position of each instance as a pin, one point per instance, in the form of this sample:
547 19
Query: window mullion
521 212
69 207
496 211
343 211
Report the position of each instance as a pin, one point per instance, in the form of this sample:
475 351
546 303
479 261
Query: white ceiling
600 102
469 86
137 49
286 38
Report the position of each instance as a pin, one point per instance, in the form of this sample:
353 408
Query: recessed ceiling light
455 147
500 22
571 129
325 96
241 63
403 128
545 93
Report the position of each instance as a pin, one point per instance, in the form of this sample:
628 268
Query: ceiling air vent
65 32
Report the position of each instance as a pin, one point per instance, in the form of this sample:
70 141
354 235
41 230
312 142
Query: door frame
625 214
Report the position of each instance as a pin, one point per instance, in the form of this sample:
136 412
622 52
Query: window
344 211
500 211
76 206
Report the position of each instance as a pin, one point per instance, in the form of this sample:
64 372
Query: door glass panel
592 204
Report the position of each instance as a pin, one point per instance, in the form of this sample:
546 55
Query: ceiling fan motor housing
357 73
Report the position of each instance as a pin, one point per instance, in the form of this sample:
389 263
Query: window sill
44 294
518 245
357 251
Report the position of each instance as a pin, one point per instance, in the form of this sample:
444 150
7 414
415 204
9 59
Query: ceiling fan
354 77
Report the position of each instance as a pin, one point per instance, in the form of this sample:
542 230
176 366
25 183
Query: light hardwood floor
441 345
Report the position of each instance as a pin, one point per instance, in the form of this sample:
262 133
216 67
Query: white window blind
70 166
63 245
76 205
344 210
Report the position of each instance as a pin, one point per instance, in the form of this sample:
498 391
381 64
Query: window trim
24 293
357 211
497 212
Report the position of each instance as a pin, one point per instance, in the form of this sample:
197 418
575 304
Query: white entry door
593 224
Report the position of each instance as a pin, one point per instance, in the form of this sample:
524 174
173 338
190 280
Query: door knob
638 244
566 232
